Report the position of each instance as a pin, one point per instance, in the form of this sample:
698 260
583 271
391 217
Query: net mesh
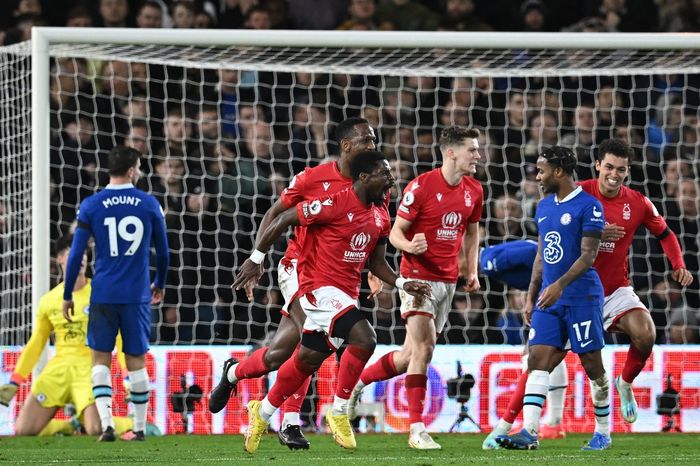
223 130
15 205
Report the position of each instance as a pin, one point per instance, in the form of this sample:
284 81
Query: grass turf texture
635 449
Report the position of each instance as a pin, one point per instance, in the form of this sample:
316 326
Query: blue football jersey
125 222
509 262
561 225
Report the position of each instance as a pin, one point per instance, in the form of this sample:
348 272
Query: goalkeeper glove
7 392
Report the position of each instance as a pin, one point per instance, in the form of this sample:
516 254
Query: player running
353 135
66 378
124 222
565 297
344 231
438 215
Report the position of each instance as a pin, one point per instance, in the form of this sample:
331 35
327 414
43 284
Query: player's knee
24 428
355 329
275 357
644 342
93 427
424 352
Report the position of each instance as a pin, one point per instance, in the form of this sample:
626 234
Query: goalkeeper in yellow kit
67 377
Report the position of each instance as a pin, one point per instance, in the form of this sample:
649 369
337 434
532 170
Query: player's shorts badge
531 335
565 219
40 397
86 310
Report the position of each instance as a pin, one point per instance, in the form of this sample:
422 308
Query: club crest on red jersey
450 226
626 212
467 198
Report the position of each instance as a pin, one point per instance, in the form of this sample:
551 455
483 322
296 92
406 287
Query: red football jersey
312 183
442 213
629 209
341 233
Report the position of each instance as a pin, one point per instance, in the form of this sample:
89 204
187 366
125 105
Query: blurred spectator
581 140
79 17
279 13
114 13
678 15
405 15
208 124
234 13
459 16
24 23
543 132
183 14
533 13
177 131
362 15
309 141
258 18
203 20
622 16
139 137
315 15
150 15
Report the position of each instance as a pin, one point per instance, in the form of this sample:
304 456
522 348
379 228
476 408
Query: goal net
224 128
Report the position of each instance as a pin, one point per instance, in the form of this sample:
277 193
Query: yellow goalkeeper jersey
70 338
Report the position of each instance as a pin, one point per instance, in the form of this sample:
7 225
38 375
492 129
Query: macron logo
326 185
439 197
541 219
597 213
350 216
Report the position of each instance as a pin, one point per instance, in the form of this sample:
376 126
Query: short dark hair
616 147
454 135
151 4
61 244
346 128
365 162
562 157
121 159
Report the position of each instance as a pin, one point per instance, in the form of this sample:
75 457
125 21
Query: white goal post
370 52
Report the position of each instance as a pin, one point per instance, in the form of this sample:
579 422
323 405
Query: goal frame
43 37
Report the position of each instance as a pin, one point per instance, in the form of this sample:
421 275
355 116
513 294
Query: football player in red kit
438 216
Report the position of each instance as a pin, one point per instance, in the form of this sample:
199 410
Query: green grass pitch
373 449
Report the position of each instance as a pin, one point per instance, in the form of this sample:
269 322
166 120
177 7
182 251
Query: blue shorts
562 325
132 320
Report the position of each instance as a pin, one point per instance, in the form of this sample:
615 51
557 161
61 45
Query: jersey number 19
122 229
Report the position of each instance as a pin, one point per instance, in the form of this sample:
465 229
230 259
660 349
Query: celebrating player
627 210
66 378
344 231
565 297
353 135
439 213
124 222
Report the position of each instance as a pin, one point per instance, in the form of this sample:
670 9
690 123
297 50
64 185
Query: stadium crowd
219 146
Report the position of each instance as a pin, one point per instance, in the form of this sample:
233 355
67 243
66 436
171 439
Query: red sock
633 364
515 404
352 362
294 402
416 386
290 376
252 366
383 369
